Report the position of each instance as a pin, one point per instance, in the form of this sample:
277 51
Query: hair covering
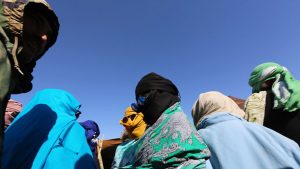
46 135
12 110
135 127
28 28
262 73
18 17
153 81
91 132
285 88
154 94
212 102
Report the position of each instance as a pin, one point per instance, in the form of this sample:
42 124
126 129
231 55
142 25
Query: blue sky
105 46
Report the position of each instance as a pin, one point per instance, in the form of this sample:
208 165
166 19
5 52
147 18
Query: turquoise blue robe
46 135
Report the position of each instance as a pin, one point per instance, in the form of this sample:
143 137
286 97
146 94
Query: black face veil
154 95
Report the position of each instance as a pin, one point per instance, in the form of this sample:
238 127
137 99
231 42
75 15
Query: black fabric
22 83
38 21
153 81
160 94
283 122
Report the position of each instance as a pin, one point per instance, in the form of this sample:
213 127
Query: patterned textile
171 142
13 108
255 107
285 88
122 154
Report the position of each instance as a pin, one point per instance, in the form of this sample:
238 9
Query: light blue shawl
236 143
46 135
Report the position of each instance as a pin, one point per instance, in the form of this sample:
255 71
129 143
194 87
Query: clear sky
105 46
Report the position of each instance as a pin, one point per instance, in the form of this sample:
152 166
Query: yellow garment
135 127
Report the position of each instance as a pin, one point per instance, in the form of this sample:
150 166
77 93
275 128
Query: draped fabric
46 135
255 107
171 142
133 123
153 81
236 143
285 88
91 132
30 27
263 73
211 102
154 94
282 112
122 154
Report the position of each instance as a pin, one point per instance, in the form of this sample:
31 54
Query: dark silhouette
35 125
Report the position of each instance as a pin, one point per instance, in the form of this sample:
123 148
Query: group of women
159 135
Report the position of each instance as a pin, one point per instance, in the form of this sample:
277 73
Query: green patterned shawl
171 142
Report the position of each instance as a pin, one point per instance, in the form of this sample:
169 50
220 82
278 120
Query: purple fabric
91 131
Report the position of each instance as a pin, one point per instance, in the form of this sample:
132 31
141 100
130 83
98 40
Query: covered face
263 74
277 79
154 94
91 129
91 132
28 29
213 102
133 123
33 23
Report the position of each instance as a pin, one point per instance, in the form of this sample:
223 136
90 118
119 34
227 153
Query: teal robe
46 135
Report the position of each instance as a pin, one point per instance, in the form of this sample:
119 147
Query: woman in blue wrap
46 135
235 143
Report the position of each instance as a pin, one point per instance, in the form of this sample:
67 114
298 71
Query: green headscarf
284 83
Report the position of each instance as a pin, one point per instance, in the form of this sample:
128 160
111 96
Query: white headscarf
212 102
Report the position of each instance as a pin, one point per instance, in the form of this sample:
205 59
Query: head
154 94
213 102
12 110
264 75
33 24
63 103
40 31
133 123
91 129
31 27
